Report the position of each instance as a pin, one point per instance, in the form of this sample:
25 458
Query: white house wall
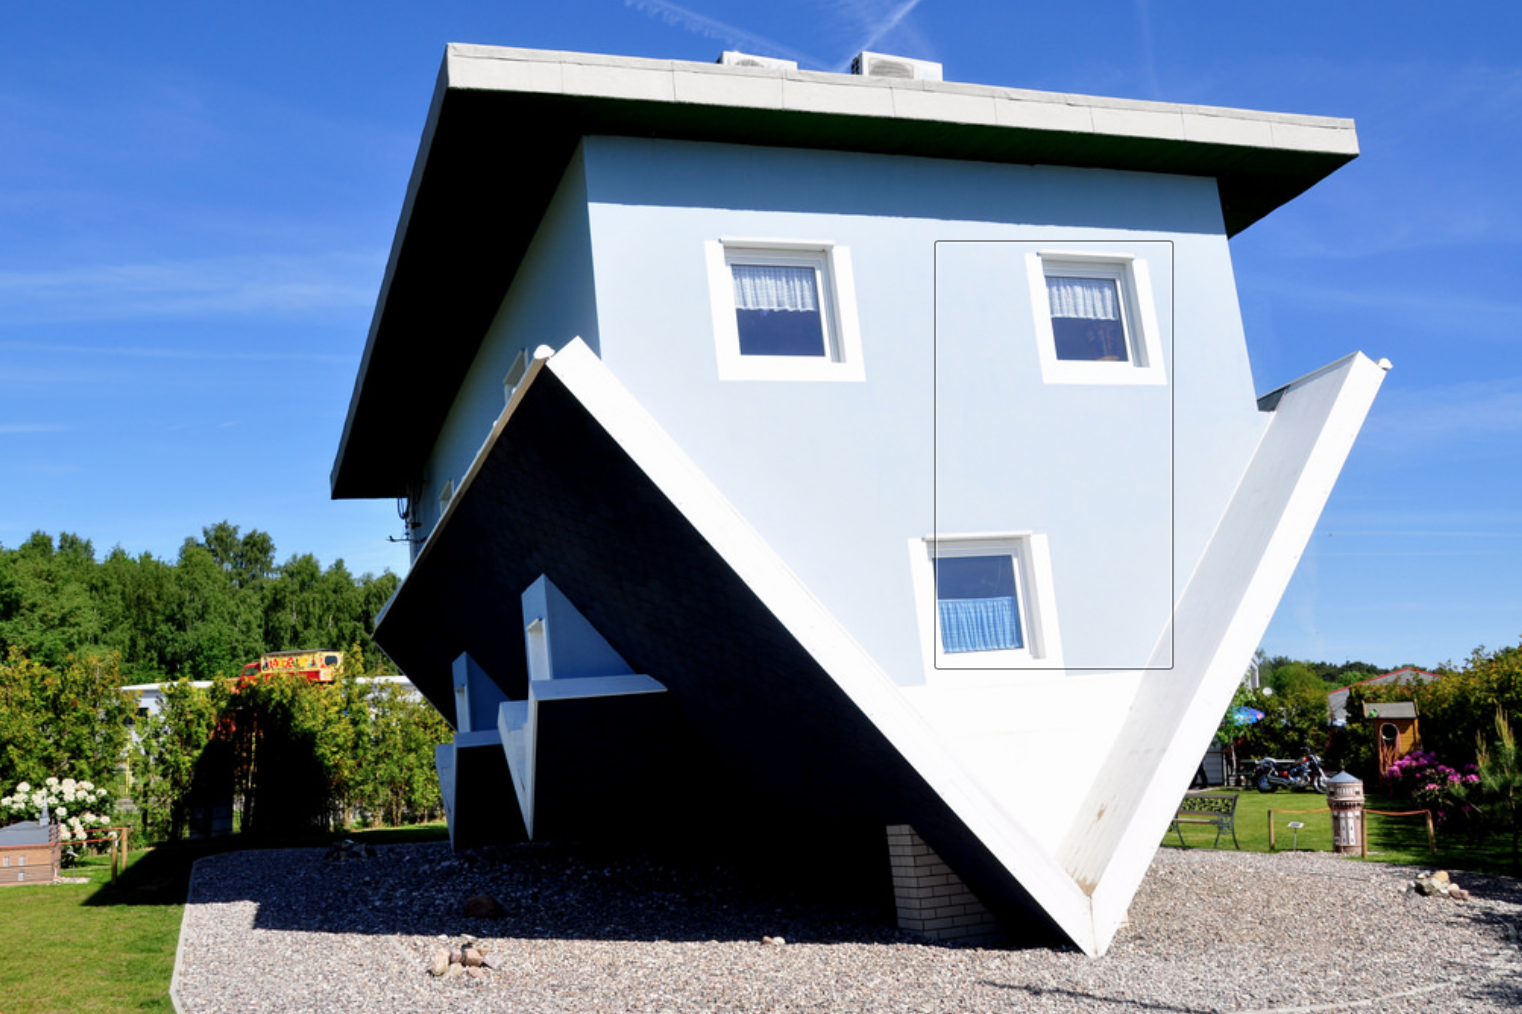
837 476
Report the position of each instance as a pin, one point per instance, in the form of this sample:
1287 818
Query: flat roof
505 122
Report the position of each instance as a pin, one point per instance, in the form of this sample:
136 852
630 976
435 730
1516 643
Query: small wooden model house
29 853
1395 730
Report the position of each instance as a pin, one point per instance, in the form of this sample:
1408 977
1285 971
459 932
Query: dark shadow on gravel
161 875
1130 1003
550 891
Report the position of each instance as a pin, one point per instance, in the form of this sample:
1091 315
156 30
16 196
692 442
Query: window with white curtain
1096 321
986 601
783 310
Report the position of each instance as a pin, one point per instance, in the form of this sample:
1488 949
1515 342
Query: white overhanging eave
592 75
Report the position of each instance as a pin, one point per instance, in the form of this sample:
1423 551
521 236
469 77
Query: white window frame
837 309
1035 597
1138 317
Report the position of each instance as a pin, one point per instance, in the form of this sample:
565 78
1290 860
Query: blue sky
196 202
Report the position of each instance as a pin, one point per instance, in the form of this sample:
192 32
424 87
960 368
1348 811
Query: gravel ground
1209 931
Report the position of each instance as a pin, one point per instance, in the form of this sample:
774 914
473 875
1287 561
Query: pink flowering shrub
1431 785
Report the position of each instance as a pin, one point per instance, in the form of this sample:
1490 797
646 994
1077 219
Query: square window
1087 324
783 311
977 604
1096 322
986 601
777 310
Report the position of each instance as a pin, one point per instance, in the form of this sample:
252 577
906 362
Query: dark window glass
1086 319
780 333
777 310
1093 340
976 603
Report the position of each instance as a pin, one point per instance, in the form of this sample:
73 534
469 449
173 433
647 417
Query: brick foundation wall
932 900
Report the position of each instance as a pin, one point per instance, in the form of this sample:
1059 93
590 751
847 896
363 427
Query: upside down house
853 450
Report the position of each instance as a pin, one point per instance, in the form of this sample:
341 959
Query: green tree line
223 602
1457 711
291 756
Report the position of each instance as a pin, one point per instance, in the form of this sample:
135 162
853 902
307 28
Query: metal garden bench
1218 808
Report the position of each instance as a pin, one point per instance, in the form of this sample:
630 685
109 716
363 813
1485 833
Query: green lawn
1401 840
99 948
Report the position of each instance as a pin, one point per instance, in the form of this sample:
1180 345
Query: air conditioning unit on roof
882 65
730 58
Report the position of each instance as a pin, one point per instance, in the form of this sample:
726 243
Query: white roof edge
502 68
1271 516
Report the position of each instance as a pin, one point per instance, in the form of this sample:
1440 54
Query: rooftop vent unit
882 65
730 58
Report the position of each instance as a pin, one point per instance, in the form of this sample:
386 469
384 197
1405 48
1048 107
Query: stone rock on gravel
483 906
494 962
440 963
472 958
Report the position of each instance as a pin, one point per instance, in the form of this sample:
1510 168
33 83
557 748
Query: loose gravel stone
1208 932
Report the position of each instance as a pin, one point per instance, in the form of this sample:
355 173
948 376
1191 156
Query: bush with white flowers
76 807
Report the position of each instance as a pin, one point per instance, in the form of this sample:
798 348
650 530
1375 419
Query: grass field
99 948
1400 840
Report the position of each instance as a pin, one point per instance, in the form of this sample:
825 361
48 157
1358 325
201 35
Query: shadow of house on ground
160 876
550 891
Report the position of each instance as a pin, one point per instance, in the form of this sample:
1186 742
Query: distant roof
1337 700
504 123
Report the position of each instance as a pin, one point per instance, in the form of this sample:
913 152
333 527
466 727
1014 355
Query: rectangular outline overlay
1050 243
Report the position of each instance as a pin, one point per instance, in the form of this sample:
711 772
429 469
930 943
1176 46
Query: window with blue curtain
1086 319
777 309
977 603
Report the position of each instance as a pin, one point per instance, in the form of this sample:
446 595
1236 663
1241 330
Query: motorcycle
1303 775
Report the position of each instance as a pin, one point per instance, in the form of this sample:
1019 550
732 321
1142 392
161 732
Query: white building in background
149 697
836 453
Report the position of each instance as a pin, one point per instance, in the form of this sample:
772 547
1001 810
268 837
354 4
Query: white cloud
244 285
152 352
875 20
681 17
1484 319
11 429
1447 414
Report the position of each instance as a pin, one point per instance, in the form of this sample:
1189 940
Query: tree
68 722
1499 792
170 746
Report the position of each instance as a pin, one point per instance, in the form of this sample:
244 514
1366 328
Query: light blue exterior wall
1127 482
550 302
1089 466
